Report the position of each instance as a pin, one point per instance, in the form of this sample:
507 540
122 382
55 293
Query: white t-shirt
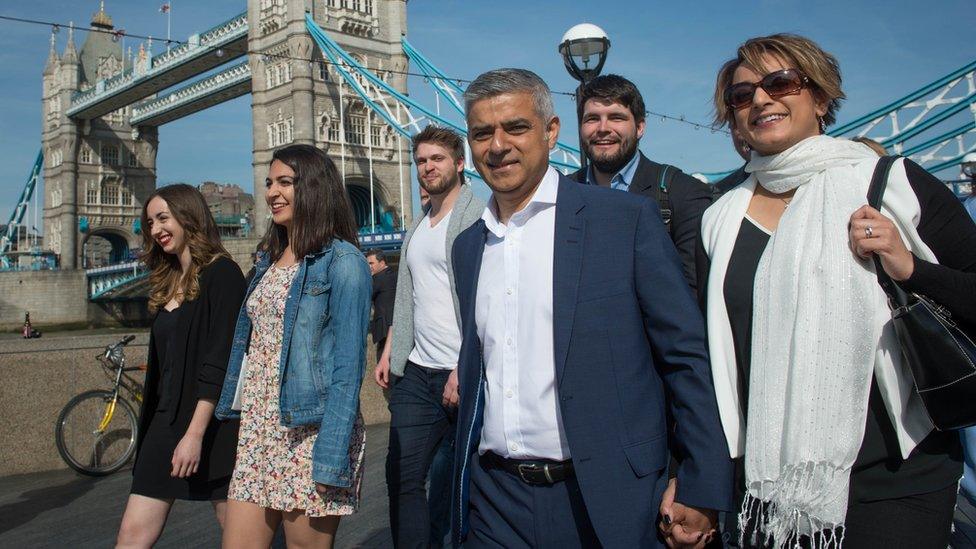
436 337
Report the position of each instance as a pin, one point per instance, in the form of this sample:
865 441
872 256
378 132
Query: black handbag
942 358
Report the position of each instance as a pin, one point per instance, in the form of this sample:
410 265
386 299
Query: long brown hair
322 211
166 278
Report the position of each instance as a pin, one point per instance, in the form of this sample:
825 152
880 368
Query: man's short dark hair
440 136
377 253
616 89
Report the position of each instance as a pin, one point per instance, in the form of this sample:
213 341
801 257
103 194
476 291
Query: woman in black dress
184 452
838 449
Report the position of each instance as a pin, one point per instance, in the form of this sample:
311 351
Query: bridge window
280 133
126 195
334 135
356 5
374 134
110 191
91 192
356 129
133 159
110 155
368 6
277 74
86 154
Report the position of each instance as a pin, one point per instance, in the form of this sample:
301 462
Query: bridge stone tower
295 101
97 172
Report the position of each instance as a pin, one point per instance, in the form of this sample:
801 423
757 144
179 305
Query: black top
879 472
163 329
203 335
384 294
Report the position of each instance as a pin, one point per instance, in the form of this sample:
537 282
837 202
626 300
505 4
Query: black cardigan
207 325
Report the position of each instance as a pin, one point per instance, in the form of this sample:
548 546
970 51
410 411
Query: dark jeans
419 422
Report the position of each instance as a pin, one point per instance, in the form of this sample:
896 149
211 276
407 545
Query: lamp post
579 46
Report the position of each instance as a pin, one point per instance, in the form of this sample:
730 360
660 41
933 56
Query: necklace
785 201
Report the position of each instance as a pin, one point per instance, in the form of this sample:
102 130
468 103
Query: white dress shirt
436 336
513 312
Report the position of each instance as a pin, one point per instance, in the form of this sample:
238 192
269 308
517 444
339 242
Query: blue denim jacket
323 353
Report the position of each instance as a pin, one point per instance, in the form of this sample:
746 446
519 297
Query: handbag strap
879 182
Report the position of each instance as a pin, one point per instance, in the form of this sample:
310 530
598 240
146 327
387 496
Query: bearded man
612 123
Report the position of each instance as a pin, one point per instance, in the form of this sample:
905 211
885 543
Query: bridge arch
106 246
386 218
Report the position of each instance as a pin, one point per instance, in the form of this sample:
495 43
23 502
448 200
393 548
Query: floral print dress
274 463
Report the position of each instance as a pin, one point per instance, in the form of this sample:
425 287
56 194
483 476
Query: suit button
566 398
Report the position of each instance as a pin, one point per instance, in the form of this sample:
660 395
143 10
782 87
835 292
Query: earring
823 125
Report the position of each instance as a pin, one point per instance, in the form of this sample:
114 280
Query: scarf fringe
777 513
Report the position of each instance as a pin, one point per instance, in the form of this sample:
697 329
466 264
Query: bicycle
92 436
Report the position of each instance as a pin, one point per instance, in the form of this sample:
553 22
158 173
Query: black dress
188 352
895 502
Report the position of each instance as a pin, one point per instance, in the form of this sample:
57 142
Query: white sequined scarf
814 338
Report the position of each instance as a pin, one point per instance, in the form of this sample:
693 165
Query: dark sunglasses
775 84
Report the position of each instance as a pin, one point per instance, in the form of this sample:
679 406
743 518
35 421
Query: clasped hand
684 526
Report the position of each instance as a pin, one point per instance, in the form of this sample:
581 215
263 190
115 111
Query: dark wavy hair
166 277
322 211
616 89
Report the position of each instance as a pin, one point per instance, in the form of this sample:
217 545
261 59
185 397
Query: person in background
878 148
384 291
183 452
297 364
421 353
424 198
968 485
816 404
612 123
730 181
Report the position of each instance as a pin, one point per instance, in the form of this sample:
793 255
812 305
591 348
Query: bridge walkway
56 509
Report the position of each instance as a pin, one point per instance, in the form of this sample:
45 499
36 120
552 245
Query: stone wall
52 297
39 376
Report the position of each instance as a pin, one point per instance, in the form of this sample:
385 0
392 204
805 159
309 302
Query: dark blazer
206 324
689 199
384 293
730 181
629 348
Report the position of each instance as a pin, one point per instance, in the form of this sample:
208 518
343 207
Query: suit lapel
567 258
645 177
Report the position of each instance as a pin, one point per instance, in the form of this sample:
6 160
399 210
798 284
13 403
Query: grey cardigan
467 210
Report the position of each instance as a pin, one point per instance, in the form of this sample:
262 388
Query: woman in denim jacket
297 363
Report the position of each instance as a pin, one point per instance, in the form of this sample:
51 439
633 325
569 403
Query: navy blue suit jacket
629 345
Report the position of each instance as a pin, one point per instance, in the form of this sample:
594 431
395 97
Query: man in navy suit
580 337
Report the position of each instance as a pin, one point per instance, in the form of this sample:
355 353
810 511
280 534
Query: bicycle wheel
93 437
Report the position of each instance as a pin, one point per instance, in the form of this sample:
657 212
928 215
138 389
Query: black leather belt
531 471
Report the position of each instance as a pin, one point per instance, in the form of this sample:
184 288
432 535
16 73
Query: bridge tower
295 101
97 172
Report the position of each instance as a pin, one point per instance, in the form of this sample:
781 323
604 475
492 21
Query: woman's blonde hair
794 51
166 278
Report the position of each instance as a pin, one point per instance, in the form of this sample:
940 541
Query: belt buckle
524 468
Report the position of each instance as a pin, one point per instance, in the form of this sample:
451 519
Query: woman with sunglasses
297 363
816 403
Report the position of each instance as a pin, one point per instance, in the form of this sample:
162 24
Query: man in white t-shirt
422 346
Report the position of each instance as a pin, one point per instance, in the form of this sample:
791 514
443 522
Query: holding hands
684 526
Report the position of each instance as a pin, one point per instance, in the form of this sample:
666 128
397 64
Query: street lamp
579 46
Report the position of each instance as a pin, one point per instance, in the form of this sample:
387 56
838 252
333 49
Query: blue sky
671 50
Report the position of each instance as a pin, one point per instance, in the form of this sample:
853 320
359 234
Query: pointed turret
102 20
52 56
70 53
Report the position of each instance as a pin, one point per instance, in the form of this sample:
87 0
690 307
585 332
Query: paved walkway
59 509
62 509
